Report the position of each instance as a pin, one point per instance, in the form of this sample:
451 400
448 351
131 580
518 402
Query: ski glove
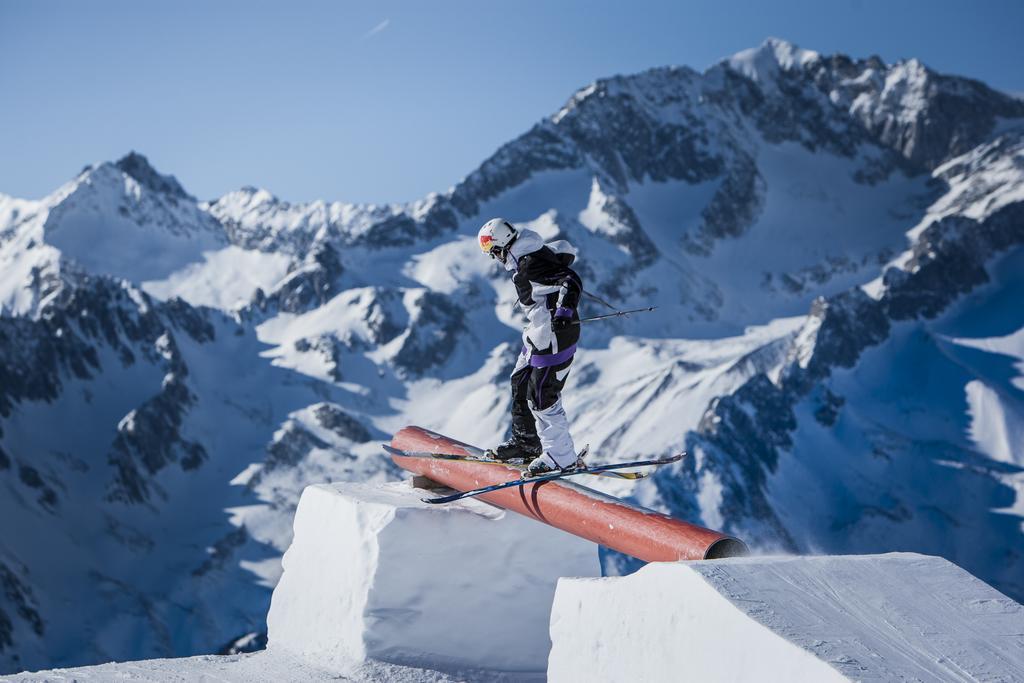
562 318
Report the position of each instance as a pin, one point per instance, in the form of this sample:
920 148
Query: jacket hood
526 243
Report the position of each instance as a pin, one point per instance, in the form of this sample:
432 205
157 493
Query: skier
549 292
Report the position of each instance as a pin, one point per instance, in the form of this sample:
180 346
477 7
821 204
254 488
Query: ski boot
542 465
545 464
515 449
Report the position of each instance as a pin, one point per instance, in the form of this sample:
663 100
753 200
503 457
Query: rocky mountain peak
762 64
138 167
925 116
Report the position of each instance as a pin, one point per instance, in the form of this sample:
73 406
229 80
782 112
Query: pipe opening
726 547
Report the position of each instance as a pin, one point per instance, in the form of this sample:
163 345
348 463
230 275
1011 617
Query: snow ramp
894 617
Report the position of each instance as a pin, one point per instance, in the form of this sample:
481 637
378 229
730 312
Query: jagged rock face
332 417
843 326
733 208
17 597
541 149
291 447
435 324
330 349
385 315
948 260
88 318
404 229
628 233
295 442
925 116
618 123
138 167
80 314
308 285
150 436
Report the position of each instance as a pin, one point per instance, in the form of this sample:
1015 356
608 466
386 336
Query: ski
491 461
552 476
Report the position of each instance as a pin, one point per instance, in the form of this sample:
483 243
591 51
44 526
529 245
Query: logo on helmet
495 238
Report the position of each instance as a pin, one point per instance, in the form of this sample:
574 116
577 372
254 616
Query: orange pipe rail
645 534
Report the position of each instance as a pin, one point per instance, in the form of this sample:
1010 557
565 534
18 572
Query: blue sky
387 101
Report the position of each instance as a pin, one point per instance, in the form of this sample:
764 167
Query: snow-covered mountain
836 248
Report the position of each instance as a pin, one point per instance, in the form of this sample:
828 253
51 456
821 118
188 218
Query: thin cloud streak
377 29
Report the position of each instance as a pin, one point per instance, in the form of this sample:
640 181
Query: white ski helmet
497 234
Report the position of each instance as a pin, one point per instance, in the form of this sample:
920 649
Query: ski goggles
486 243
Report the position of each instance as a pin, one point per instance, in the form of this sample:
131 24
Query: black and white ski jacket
547 288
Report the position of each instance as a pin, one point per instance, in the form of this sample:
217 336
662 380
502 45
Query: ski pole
616 314
598 299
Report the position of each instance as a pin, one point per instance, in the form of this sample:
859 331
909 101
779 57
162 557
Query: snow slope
225 279
895 617
907 437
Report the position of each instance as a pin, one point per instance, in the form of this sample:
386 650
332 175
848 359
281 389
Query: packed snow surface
374 573
900 616
258 667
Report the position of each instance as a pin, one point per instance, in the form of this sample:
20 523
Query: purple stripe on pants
548 359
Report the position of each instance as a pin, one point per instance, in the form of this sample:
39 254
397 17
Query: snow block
900 616
373 573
